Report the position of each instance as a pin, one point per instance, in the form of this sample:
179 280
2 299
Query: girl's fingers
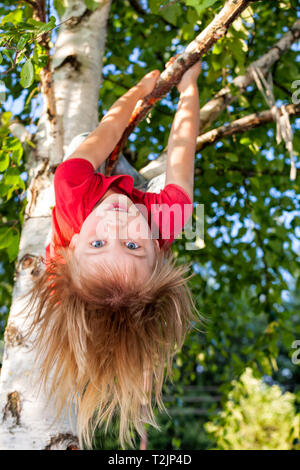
171 60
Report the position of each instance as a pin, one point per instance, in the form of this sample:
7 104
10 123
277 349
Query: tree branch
241 125
247 172
213 108
173 73
135 5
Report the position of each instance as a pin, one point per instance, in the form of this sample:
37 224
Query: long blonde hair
105 341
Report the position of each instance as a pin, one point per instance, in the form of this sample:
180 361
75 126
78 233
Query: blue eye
130 245
96 241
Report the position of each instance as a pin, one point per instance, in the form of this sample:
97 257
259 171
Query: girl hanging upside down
111 308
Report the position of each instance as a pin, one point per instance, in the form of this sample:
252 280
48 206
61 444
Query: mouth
118 207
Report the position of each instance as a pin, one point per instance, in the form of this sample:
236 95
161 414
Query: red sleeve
77 189
74 176
168 212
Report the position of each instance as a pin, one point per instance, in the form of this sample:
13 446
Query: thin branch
135 5
247 172
214 107
241 125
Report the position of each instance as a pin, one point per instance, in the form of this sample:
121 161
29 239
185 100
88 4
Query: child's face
111 236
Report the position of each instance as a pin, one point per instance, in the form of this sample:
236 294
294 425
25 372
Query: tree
235 177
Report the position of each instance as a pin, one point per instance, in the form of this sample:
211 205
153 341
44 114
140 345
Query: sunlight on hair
105 340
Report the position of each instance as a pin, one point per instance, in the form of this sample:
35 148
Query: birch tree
69 94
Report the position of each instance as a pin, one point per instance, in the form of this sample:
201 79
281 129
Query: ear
73 241
156 244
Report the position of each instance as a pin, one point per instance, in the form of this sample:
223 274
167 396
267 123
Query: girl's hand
148 82
190 76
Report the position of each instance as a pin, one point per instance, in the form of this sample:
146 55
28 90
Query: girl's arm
184 132
101 142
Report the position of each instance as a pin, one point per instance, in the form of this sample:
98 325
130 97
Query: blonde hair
104 341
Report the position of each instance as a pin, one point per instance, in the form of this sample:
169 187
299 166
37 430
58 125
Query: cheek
88 228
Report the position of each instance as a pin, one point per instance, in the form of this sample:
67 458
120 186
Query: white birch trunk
25 421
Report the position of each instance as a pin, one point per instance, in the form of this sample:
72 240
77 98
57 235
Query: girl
111 308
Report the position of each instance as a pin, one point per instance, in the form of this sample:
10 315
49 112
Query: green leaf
4 160
21 43
154 6
256 182
231 156
245 141
243 101
6 117
60 6
43 60
35 56
187 32
17 155
13 247
218 48
171 13
216 63
48 26
13 17
37 24
192 16
12 177
200 5
9 53
1 58
91 4
27 74
4 237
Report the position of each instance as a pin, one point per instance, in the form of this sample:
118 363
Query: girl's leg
75 142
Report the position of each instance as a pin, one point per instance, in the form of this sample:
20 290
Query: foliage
248 263
256 417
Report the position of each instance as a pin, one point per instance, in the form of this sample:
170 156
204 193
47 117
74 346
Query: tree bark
76 69
242 125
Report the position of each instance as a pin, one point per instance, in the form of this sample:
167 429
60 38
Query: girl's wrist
190 86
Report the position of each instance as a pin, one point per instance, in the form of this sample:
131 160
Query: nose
113 225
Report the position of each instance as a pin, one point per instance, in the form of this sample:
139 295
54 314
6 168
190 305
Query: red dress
78 188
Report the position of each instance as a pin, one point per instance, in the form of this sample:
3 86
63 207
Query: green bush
256 417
